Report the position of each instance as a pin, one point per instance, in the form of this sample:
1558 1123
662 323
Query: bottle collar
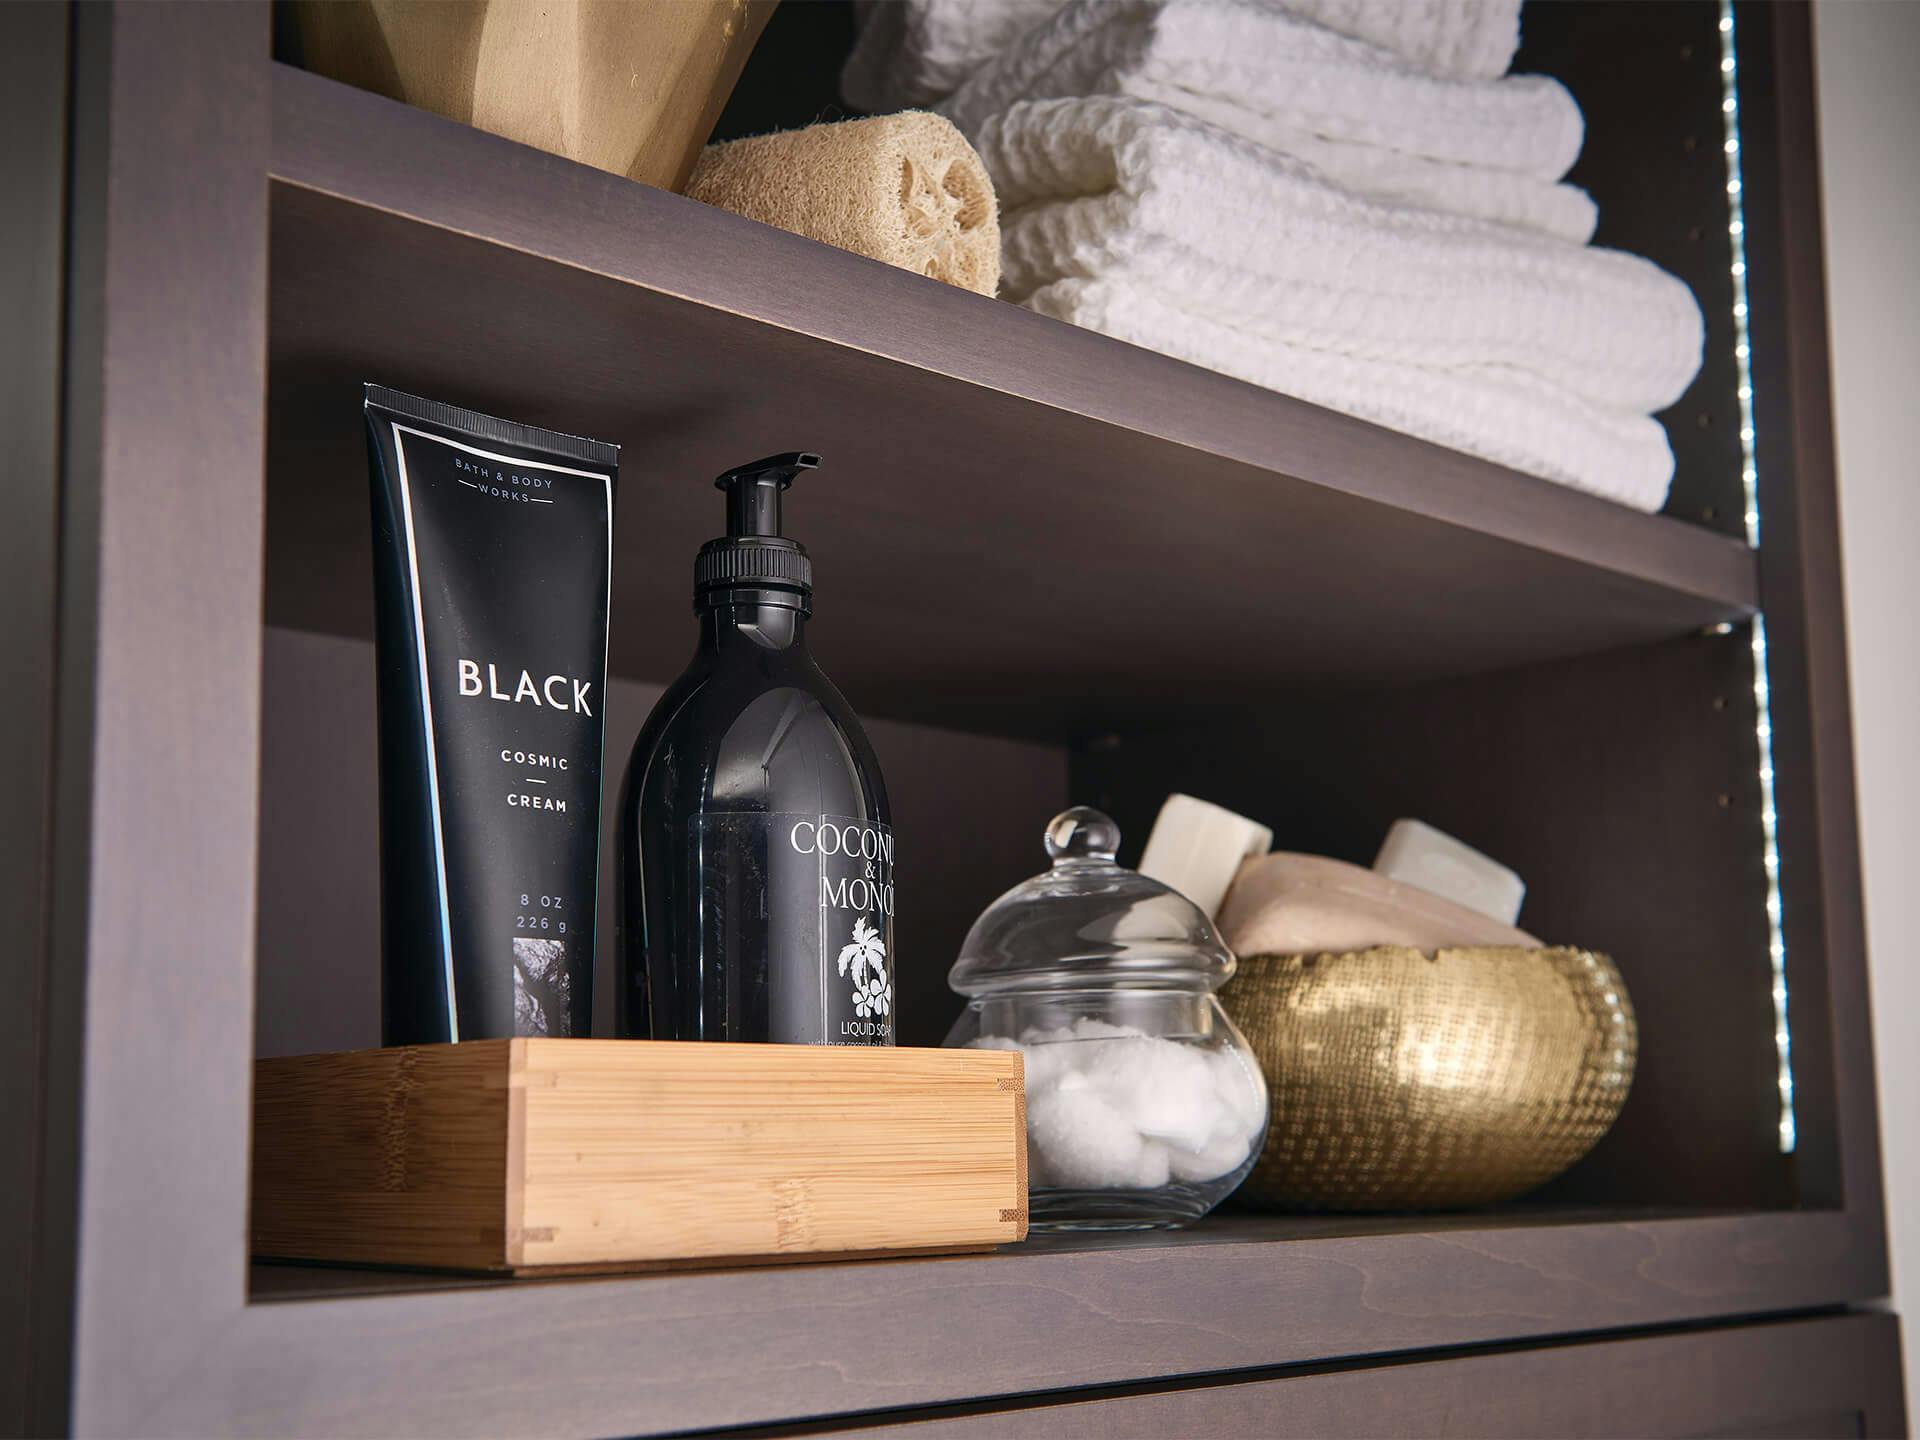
731 618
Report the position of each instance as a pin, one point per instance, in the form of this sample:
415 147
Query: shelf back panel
968 813
1623 787
1032 525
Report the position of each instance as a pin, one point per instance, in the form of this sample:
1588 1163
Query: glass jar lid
1089 924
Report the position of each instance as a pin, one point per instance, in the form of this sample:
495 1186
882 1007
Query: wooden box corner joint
544 1156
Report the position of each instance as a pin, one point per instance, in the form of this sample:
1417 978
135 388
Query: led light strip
1750 484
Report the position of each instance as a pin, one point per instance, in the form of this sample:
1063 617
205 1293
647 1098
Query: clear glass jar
1145 1106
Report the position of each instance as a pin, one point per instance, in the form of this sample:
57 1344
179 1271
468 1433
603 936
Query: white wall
1870 156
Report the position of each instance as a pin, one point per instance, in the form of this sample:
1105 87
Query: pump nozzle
754 555
753 491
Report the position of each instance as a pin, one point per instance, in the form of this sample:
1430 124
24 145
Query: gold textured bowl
1406 1080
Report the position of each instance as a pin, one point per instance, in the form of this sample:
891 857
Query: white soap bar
1197 849
1436 862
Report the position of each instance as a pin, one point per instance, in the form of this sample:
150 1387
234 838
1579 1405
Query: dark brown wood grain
647 1355
1654 163
157 719
1059 489
33 167
1623 787
1829 1378
968 808
1806 621
1214 528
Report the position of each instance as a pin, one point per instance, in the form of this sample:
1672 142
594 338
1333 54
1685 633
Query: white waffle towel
1510 418
1128 191
914 52
1157 228
1359 115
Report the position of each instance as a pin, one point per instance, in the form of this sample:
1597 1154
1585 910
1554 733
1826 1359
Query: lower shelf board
282 1280
365 1352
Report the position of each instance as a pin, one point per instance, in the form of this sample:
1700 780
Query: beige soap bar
1288 904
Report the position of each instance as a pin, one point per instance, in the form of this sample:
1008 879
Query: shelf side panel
158 722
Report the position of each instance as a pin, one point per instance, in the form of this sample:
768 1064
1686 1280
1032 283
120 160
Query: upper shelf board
1020 525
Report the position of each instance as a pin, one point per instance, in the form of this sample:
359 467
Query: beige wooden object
537 1155
631 86
1288 904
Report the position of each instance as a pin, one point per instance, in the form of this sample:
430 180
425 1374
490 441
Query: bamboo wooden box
538 1156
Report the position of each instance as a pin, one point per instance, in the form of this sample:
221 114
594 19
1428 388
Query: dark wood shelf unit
1837 1375
239 244
1238 1293
1004 495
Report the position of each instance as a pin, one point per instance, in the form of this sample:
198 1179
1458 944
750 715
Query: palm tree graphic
866 960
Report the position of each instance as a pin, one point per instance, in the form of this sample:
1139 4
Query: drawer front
1829 1377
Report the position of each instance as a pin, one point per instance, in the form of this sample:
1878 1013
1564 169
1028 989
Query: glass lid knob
1082 835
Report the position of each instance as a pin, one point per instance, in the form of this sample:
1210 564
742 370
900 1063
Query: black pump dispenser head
753 492
754 555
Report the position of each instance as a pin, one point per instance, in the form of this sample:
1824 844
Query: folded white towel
1464 39
1132 193
1506 416
910 53
1177 236
1564 212
914 52
1358 115
1251 67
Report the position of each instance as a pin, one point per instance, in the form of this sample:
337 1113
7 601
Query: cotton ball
1242 1091
1047 1065
1166 1088
1212 1162
1112 1108
1156 1166
1043 1062
1068 1049
1085 1141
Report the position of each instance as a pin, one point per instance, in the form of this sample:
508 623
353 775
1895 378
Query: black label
506 562
819 890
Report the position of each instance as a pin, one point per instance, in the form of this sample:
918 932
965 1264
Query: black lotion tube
492 550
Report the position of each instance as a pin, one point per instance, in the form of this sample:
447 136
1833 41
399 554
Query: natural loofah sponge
907 189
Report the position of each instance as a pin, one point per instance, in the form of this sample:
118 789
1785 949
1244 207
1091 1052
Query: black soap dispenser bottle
756 862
